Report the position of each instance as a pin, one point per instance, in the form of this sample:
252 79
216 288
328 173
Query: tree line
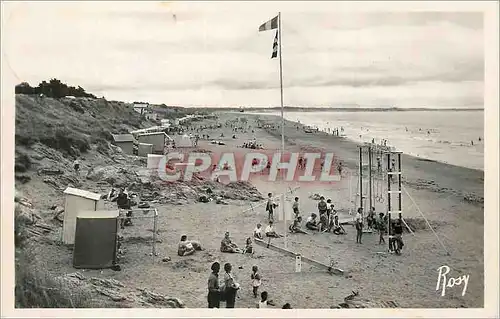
54 88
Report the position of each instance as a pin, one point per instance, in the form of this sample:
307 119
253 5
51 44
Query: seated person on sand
337 227
188 247
227 246
248 246
311 222
257 232
270 232
323 222
295 227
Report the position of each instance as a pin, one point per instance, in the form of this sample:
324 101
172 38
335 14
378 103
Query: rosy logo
244 166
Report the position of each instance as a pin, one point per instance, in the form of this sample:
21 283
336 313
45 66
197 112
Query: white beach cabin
184 141
158 139
77 200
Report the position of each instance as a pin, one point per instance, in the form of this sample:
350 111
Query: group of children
328 218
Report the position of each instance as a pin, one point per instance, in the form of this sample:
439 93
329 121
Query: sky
211 53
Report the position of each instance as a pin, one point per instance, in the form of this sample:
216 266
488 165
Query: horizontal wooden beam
276 248
336 271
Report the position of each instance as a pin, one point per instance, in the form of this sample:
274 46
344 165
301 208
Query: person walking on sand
76 166
213 297
230 286
340 168
359 225
256 281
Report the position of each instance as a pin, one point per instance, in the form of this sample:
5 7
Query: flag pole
282 126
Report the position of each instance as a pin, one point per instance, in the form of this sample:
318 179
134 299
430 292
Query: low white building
141 108
152 116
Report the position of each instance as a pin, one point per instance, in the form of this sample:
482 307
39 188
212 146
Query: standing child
328 207
382 228
271 205
359 225
322 206
256 281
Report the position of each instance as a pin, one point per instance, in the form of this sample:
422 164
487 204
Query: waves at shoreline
449 137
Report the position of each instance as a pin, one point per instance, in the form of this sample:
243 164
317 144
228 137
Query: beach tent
95 239
154 161
77 200
144 149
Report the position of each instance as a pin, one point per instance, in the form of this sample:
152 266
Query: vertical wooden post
370 177
399 185
389 192
155 230
360 177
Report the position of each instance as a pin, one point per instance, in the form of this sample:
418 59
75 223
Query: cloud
212 53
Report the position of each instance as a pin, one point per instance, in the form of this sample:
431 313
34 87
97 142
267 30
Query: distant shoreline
324 109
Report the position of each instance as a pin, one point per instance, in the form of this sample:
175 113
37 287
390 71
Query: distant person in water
479 138
472 143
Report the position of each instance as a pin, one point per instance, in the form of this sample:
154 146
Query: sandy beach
439 190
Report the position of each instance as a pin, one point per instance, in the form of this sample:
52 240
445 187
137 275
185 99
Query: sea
453 137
